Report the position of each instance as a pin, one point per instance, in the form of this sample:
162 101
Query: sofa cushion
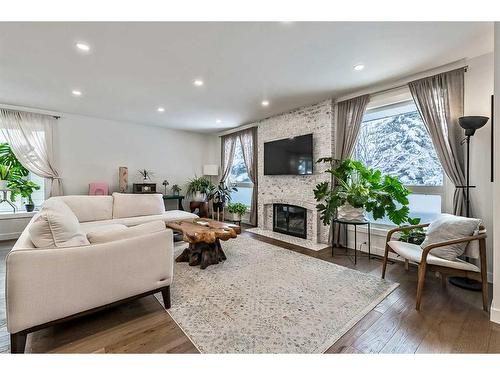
90 207
119 232
414 254
56 226
450 227
167 216
131 205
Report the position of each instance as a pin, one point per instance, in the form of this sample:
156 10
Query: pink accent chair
98 188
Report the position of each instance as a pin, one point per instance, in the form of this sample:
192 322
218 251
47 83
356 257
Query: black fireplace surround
289 219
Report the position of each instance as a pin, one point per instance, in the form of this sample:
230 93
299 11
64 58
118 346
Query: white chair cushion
119 232
56 226
414 254
450 227
90 207
131 205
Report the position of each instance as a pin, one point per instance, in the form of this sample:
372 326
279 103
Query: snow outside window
238 177
393 138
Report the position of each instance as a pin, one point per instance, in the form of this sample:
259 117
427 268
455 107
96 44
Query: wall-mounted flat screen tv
290 156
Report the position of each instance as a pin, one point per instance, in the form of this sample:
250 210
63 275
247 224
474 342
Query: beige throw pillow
102 235
56 226
450 227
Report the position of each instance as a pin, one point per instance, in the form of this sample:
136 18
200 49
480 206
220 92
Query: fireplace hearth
290 219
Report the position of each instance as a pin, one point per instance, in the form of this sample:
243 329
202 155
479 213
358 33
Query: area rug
266 299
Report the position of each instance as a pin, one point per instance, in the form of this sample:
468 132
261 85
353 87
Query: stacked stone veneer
317 119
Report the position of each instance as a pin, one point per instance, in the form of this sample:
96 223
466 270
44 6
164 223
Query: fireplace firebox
290 219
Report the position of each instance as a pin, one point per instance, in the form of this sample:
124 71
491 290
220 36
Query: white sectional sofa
54 273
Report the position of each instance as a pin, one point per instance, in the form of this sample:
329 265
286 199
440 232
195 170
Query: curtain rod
29 109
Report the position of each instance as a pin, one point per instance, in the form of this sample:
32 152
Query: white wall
91 149
495 307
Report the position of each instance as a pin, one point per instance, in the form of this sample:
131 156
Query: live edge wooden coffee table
204 236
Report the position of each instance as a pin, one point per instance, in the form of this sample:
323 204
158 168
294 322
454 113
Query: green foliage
176 188
8 159
221 193
415 236
361 187
237 208
201 184
22 187
4 172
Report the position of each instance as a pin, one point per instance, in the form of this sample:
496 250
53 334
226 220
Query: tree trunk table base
202 254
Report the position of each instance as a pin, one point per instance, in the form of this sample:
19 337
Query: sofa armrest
43 285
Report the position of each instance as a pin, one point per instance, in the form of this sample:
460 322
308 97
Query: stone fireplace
290 219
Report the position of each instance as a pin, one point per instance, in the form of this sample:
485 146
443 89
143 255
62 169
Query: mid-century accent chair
415 254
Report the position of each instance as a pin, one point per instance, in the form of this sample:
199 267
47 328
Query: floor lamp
470 124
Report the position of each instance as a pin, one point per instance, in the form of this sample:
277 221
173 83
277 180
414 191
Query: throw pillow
450 227
114 234
56 226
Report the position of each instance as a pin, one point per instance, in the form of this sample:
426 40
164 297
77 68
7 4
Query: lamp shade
472 123
210 170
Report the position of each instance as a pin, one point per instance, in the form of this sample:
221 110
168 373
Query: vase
199 197
350 213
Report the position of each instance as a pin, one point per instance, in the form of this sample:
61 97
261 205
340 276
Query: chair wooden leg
484 273
420 286
384 264
18 343
165 293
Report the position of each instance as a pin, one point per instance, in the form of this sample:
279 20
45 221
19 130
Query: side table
346 223
178 198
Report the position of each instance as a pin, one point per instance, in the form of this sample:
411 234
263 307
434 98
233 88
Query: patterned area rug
266 299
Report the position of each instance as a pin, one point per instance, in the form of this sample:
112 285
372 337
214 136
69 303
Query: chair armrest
428 248
43 285
406 227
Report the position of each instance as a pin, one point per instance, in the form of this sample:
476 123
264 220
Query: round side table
346 223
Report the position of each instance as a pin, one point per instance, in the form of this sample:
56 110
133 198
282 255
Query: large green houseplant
198 188
352 184
220 194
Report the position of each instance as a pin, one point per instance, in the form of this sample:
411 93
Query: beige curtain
440 101
227 150
248 139
30 137
349 116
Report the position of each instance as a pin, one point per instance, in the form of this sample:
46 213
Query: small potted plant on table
25 189
237 210
176 189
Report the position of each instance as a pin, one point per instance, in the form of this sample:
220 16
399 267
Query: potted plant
355 189
176 189
25 189
237 210
198 188
414 236
4 176
220 195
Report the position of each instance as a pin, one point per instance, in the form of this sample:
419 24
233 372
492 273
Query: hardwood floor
451 320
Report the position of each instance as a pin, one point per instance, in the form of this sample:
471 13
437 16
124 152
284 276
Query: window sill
17 215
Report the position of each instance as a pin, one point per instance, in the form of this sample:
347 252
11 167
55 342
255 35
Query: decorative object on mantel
98 188
146 174
165 184
176 189
144 188
198 188
123 179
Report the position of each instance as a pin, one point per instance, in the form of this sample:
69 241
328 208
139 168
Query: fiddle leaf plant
353 183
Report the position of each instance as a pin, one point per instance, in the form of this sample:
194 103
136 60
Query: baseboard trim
494 313
9 236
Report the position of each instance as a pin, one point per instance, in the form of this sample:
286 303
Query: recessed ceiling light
160 109
198 82
83 46
218 121
359 67
76 93
265 103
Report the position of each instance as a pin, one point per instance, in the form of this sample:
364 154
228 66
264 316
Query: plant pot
350 213
29 207
3 184
218 206
234 216
199 197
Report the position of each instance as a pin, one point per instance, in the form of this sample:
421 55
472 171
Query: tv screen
291 156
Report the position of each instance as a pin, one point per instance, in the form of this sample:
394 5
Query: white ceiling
133 68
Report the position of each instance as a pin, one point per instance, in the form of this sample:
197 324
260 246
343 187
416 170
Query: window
393 139
38 196
238 177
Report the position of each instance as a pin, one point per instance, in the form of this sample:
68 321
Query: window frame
239 184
